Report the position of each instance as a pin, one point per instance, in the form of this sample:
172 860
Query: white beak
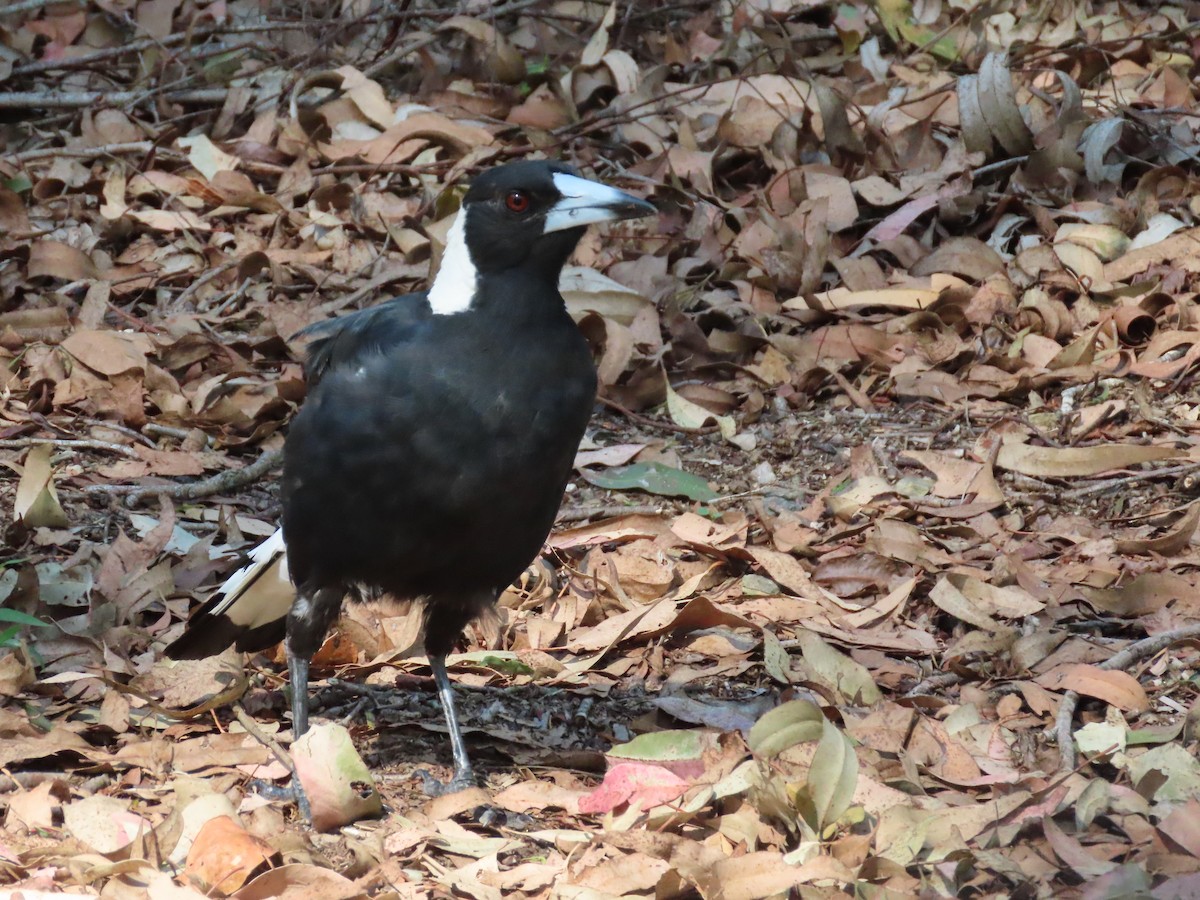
587 202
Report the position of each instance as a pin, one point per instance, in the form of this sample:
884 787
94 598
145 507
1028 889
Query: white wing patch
261 559
454 287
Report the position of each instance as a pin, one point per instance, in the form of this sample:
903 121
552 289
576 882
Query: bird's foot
294 791
463 779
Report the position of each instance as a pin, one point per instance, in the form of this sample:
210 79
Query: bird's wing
344 340
250 609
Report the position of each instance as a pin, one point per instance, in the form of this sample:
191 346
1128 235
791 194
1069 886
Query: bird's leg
308 621
464 776
298 678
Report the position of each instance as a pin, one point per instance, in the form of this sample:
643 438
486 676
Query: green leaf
221 68
785 726
506 666
759 586
19 184
1153 734
20 618
776 659
654 478
837 671
831 779
661 746
896 16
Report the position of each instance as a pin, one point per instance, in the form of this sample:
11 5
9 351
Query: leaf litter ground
877 576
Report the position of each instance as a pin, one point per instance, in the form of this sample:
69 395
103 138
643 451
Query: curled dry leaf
1120 689
36 504
224 856
504 62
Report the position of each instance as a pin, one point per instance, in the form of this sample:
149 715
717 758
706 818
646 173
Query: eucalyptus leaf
785 726
654 478
831 779
661 746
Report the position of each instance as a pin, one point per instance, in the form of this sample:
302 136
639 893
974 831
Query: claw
434 787
294 791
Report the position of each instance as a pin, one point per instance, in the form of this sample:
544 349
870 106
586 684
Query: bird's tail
249 611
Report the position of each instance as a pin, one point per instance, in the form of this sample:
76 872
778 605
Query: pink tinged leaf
646 785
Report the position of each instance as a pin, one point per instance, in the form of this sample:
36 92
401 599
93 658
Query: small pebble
763 474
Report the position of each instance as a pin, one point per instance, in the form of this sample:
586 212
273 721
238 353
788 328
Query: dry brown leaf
1073 462
224 856
36 503
1175 541
1118 688
52 259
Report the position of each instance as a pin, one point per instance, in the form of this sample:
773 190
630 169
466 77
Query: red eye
517 201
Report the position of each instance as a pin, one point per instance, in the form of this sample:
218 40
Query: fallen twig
1108 484
215 272
933 683
1133 653
23 6
91 152
582 513
114 427
182 37
193 490
170 431
654 423
55 99
69 444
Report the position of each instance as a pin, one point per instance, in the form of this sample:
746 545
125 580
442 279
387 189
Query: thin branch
1133 653
228 480
23 6
70 444
583 513
91 152
654 423
118 429
933 683
199 34
181 37
1110 483
204 279
55 99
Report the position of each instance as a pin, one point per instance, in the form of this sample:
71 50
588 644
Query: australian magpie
430 456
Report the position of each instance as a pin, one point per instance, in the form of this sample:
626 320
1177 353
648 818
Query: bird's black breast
434 462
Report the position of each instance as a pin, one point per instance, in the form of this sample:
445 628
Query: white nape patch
585 203
454 287
261 558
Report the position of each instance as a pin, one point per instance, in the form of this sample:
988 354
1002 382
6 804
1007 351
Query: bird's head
524 215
